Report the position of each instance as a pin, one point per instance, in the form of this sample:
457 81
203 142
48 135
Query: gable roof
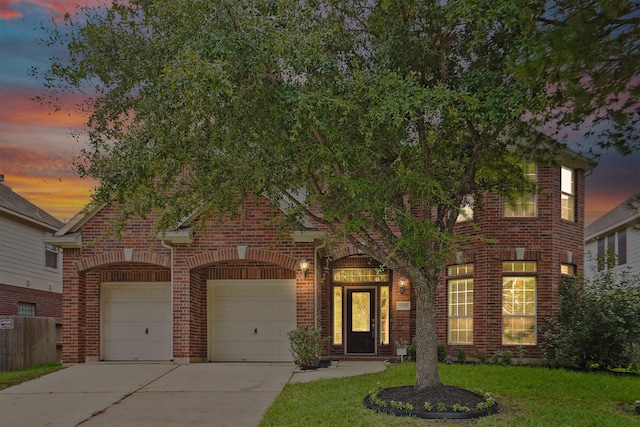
619 217
19 207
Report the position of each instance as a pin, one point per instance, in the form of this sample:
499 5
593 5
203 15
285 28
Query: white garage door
136 321
249 319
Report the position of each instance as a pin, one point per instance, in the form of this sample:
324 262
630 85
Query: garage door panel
136 321
238 307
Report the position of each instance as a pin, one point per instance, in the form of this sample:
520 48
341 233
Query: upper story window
50 255
466 210
524 205
567 187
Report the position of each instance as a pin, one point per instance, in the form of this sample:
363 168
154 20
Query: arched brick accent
345 251
118 257
252 254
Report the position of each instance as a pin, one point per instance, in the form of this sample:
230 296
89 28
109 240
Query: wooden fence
29 341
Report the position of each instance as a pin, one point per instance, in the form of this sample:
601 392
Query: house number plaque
403 305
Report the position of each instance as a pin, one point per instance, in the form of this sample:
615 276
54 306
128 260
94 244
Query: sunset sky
36 148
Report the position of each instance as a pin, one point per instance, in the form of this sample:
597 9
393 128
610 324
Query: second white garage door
136 321
249 319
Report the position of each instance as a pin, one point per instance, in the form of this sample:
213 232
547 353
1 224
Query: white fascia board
307 236
68 241
177 237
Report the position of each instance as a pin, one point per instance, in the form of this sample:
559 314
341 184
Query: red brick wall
546 238
213 253
272 253
48 304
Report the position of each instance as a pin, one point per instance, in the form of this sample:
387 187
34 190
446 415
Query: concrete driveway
146 394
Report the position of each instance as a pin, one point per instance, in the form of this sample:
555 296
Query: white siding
633 254
22 257
633 249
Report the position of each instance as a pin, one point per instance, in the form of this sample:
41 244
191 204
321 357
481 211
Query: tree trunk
426 336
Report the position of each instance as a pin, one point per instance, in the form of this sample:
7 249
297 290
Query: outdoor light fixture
403 285
304 267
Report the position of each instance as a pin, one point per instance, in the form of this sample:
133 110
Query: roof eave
73 240
34 221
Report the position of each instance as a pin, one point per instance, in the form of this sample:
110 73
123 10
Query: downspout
163 243
316 279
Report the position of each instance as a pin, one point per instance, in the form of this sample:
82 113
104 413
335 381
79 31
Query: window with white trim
384 315
525 205
50 255
460 304
466 210
519 303
337 315
460 311
567 187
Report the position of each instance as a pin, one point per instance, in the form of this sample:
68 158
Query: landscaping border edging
430 414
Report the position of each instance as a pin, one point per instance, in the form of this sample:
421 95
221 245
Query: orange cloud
6 10
16 9
62 198
25 111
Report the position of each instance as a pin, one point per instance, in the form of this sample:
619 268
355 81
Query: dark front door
361 320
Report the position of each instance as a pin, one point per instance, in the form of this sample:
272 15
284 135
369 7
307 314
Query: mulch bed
447 395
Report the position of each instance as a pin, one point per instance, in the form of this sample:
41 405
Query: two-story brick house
231 292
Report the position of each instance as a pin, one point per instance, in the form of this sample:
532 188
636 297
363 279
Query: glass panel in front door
360 312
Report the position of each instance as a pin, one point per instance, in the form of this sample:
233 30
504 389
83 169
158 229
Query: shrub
599 323
306 344
462 356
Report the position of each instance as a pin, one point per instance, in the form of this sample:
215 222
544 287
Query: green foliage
442 353
306 344
401 406
599 324
502 357
375 119
459 408
462 355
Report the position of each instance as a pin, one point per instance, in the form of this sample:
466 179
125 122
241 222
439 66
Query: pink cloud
7 11
16 9
19 109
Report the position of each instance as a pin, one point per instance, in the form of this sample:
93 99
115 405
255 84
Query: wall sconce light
403 285
304 267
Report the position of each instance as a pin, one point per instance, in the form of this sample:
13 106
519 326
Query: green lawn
7 379
526 396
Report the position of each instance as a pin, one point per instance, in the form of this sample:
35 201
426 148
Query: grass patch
8 379
527 396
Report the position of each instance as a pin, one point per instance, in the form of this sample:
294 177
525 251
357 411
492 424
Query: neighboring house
30 270
231 292
616 233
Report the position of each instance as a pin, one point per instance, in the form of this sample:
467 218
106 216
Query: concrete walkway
158 394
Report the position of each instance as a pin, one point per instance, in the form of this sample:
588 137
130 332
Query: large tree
373 118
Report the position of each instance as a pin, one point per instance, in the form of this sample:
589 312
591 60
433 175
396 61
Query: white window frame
460 310
567 190
519 309
522 205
